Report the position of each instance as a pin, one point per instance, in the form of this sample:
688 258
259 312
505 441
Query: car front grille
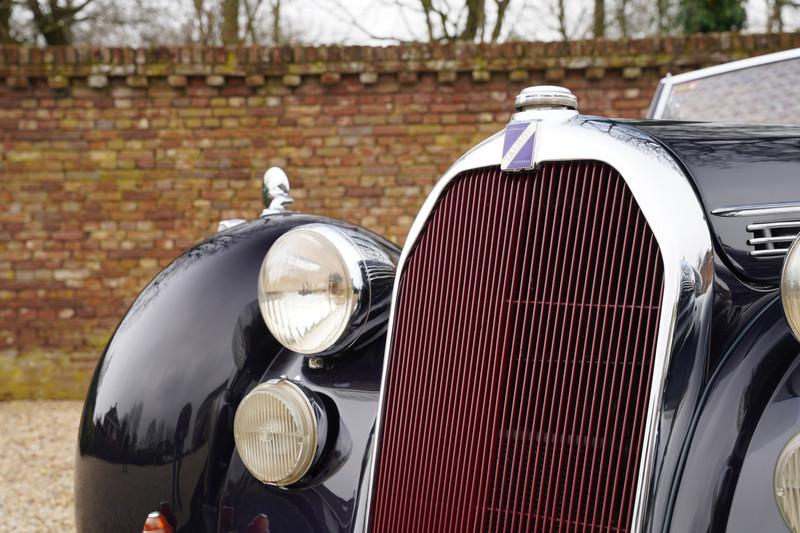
521 357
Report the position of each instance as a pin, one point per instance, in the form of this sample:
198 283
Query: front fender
754 506
734 405
156 426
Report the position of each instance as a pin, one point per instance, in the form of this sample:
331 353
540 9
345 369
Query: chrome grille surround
672 210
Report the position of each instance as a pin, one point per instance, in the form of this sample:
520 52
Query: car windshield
761 93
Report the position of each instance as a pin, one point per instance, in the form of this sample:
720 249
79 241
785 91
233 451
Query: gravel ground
37 452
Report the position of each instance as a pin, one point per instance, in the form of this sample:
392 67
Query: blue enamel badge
519 146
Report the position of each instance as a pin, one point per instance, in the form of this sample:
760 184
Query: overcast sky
377 22
331 21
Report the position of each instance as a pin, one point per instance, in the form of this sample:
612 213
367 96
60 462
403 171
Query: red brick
108 177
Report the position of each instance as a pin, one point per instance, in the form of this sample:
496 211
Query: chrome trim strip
656 110
774 252
771 225
667 83
668 203
757 210
229 223
653 108
767 240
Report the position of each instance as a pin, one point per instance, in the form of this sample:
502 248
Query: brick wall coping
291 63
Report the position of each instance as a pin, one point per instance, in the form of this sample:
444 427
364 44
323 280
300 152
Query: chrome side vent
771 240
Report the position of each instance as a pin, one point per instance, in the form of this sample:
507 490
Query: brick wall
112 161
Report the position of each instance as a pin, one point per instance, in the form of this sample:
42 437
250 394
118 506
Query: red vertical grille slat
522 354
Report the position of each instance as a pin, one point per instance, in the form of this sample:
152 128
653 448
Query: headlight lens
790 287
309 288
787 483
276 432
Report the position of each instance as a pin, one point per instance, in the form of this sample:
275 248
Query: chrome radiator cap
545 96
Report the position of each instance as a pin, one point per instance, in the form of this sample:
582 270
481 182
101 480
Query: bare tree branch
230 22
561 20
427 8
56 24
775 8
205 21
251 15
599 19
277 38
622 17
341 12
502 6
401 8
5 22
662 16
444 20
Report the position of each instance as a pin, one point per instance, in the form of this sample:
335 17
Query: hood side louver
771 240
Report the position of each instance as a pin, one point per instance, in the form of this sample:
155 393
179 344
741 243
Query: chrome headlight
317 287
790 287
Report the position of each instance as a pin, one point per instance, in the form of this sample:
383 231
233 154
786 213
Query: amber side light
156 523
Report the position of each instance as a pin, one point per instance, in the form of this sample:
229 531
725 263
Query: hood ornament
275 191
535 106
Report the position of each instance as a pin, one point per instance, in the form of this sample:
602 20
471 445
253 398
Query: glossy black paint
156 431
754 507
735 165
752 367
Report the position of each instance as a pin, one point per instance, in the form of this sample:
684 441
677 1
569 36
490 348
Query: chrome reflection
275 191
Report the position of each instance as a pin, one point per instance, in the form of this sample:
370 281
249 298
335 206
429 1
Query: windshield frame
667 84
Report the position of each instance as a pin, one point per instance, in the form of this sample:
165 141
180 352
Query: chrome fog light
787 483
316 286
790 287
276 430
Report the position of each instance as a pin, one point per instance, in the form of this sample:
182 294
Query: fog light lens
787 483
275 429
790 287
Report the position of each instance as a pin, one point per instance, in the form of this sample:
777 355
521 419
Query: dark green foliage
705 16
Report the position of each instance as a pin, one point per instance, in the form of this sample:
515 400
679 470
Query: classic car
591 327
